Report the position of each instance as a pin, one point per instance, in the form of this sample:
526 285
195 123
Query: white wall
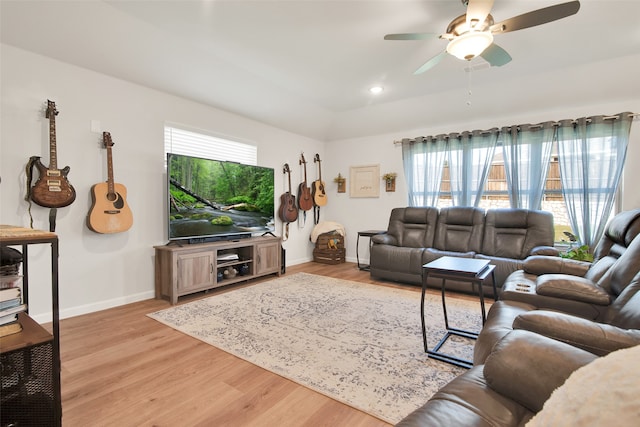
100 271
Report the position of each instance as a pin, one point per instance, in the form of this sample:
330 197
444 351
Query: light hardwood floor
120 368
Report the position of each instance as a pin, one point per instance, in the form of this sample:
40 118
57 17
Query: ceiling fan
471 34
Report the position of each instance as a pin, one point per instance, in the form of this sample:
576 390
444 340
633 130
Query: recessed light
376 90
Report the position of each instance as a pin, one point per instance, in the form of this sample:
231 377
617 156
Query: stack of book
10 305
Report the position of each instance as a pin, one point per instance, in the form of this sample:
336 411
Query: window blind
181 141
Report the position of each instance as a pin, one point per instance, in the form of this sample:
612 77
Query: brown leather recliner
595 292
577 287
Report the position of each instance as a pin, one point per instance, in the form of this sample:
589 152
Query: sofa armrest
384 239
545 250
570 287
542 264
528 367
597 338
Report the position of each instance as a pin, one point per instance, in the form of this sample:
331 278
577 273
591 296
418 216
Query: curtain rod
632 115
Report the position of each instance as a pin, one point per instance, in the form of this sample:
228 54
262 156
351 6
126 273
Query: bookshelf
32 356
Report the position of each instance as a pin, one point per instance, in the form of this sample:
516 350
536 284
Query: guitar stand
52 219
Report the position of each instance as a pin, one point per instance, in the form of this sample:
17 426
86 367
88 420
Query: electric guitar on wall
109 212
319 195
52 189
305 201
288 210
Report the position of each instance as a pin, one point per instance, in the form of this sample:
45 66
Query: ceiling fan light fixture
469 45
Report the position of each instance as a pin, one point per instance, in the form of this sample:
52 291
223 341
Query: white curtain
423 160
470 157
591 154
526 151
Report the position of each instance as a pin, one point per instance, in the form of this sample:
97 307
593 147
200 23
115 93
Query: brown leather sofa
534 338
507 390
416 236
540 349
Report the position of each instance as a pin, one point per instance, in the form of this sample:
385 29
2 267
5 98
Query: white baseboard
98 306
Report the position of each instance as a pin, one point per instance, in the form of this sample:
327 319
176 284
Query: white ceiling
306 65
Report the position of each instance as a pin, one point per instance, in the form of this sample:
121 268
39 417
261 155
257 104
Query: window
181 141
571 168
496 194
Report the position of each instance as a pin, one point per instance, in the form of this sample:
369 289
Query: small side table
369 234
472 270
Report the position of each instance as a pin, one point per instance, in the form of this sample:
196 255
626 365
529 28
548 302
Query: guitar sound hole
116 199
119 203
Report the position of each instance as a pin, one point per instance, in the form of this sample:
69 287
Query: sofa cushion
521 286
498 324
459 229
467 401
528 367
413 227
618 237
597 338
620 232
571 287
513 233
625 310
620 274
539 264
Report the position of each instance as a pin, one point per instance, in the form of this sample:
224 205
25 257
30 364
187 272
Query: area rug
357 343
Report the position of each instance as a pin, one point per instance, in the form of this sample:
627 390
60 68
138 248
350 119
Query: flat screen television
212 200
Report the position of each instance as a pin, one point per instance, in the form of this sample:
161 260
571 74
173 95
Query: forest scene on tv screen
210 197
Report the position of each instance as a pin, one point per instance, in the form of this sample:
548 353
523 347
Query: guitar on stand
109 211
52 189
288 211
305 200
317 190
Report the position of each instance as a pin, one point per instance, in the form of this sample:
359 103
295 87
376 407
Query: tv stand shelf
184 270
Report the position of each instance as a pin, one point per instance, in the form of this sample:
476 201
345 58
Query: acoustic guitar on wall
109 211
52 189
288 211
305 201
319 195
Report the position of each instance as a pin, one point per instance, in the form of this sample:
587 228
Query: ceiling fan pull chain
469 93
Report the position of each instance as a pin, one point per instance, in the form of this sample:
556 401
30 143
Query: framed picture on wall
365 181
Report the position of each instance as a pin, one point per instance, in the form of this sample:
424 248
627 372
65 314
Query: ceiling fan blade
477 11
431 63
496 56
410 36
537 17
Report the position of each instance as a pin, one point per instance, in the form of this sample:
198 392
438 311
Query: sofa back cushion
413 227
618 235
513 233
459 229
623 270
624 311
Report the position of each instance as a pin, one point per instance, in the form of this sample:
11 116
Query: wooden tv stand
184 270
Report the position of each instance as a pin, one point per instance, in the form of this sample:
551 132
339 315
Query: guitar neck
53 158
110 181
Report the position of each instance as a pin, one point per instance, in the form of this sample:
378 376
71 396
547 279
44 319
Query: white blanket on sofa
604 392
